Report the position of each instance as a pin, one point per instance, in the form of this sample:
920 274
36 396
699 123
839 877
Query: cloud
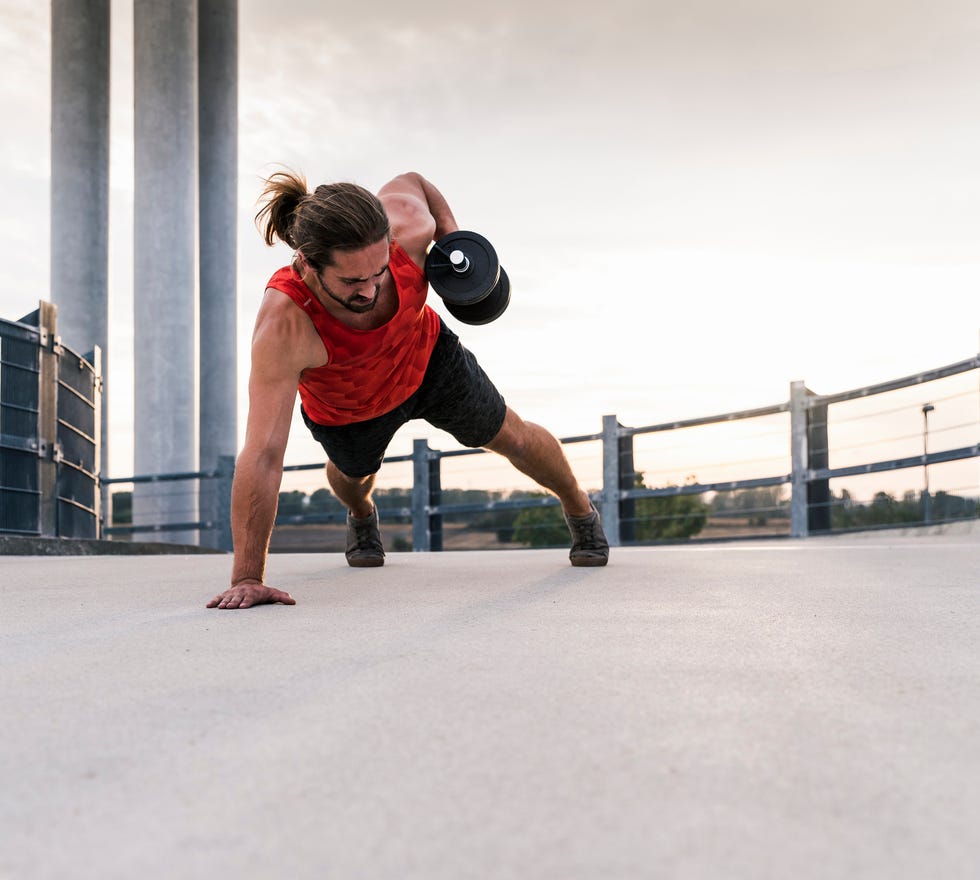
736 167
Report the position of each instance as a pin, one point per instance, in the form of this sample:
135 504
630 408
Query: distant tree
323 501
292 503
758 505
668 517
540 526
946 506
885 509
393 497
502 522
665 518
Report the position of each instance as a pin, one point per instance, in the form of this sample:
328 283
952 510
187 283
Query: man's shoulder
284 331
285 280
279 311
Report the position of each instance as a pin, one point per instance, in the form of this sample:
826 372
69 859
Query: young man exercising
346 323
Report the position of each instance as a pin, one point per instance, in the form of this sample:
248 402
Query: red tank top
369 372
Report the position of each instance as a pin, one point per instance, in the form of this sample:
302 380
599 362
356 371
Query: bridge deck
784 709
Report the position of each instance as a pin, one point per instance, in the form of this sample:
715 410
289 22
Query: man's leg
353 492
364 547
536 452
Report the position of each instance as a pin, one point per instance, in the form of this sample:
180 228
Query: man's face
354 280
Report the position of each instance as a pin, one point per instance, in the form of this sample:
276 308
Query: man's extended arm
258 471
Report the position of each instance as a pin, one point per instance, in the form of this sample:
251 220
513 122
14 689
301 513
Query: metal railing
808 478
220 526
50 423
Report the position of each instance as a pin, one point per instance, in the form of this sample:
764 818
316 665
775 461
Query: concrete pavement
782 709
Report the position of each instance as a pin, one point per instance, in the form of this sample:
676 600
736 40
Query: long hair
335 216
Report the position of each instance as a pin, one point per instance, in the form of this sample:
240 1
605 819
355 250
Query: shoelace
585 532
363 537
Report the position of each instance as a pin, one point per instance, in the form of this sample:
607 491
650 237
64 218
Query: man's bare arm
277 361
418 212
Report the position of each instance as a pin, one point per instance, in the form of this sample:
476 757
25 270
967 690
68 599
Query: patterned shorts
455 396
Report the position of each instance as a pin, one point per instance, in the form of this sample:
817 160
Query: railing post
818 457
611 479
799 521
226 475
421 482
435 499
94 357
627 480
47 418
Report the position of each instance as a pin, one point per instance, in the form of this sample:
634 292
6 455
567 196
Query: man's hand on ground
248 593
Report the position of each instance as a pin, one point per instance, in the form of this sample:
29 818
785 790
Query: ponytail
283 193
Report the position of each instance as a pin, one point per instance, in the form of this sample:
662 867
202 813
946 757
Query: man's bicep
407 205
410 217
272 385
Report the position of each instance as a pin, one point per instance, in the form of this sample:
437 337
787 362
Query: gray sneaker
364 549
589 544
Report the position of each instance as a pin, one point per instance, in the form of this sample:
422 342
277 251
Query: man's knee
335 474
509 436
517 438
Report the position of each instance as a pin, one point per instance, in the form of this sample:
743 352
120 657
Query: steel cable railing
764 492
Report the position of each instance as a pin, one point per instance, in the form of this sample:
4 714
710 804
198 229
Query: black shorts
455 396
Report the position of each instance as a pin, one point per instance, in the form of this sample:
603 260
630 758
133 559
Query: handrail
808 430
897 384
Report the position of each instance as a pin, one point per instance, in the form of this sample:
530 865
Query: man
347 325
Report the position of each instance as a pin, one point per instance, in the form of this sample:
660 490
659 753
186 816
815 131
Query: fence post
226 474
426 529
818 456
47 418
435 499
799 521
611 479
627 480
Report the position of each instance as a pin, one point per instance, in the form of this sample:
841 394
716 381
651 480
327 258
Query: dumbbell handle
458 261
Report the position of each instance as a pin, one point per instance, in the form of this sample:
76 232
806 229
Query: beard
357 304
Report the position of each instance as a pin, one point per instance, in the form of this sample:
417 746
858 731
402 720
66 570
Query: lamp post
926 512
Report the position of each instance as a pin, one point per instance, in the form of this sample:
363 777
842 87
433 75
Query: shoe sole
589 561
365 561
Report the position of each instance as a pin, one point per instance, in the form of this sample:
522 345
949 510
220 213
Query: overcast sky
696 203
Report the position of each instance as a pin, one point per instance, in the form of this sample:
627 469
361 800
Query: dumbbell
463 269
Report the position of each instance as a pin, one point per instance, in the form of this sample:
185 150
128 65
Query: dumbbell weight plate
480 277
488 309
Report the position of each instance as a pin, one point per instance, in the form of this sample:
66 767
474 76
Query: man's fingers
224 600
246 598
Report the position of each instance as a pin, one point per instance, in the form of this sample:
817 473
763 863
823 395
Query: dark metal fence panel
50 413
19 487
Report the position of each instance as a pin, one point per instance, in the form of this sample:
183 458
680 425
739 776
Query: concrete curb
17 545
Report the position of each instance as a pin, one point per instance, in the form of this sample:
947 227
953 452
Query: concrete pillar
165 255
80 177
218 168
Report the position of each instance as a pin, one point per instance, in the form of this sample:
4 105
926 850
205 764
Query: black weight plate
487 309
463 288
